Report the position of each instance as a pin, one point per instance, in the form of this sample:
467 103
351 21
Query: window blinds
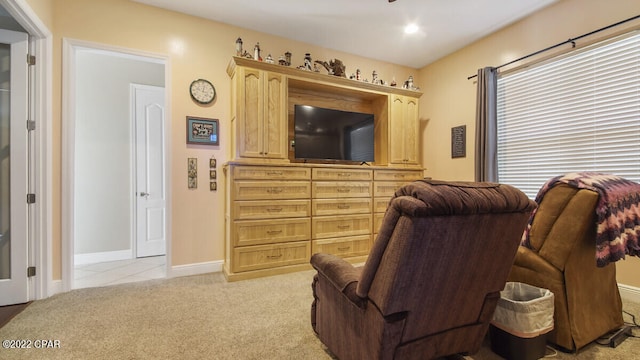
579 112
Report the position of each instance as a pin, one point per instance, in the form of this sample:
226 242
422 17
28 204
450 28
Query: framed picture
192 173
213 186
459 141
213 174
202 131
212 163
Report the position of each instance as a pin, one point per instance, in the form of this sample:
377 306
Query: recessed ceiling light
411 29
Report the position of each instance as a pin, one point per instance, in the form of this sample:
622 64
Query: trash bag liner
524 310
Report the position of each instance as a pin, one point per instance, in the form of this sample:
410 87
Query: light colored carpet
197 317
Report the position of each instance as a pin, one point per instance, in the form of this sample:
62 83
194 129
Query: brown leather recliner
563 259
432 279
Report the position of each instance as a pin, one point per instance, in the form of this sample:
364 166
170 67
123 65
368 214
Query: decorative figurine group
334 67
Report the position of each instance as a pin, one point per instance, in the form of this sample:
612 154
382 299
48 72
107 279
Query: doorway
104 193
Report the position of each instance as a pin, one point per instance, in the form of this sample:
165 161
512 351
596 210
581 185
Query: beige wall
449 98
197 48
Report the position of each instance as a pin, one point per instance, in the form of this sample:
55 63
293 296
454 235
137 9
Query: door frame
16 287
40 245
69 51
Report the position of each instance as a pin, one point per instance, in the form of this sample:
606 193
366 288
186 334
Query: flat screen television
333 135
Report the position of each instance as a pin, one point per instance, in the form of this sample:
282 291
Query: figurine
393 82
256 52
374 77
287 57
239 47
409 83
358 75
307 61
269 59
334 67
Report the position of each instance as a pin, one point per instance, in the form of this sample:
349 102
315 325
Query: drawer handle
274 256
344 248
399 175
344 226
274 232
343 190
274 209
274 190
344 174
343 206
274 173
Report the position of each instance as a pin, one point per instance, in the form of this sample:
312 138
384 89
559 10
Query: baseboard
98 257
630 293
196 269
55 287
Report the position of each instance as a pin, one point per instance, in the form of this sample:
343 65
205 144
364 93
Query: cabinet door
275 116
396 130
403 130
411 128
251 112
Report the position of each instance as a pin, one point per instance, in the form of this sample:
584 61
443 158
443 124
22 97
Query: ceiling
369 28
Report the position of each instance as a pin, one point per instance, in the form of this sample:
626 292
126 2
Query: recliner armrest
341 274
528 259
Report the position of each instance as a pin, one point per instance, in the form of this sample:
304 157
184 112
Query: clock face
202 91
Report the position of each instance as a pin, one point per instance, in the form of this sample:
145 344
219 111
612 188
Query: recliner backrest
444 251
564 216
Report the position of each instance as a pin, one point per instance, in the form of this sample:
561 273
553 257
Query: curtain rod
571 41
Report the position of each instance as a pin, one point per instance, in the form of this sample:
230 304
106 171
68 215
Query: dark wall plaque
459 141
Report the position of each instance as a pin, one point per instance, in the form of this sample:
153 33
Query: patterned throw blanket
617 213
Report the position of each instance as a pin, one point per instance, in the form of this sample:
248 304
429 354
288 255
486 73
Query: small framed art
202 131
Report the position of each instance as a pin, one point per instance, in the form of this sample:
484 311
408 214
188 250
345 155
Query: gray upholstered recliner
432 280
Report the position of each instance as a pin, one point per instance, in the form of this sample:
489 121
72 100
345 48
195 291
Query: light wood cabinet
340 225
278 209
268 220
277 216
260 114
403 130
385 184
263 99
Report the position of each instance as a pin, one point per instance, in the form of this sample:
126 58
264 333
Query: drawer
267 209
380 204
271 190
270 256
377 222
256 232
386 188
344 225
343 247
341 174
271 173
340 206
340 189
398 175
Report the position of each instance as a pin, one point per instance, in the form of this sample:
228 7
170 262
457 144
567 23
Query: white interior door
13 168
149 117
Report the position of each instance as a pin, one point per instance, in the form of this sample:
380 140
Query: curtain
486 163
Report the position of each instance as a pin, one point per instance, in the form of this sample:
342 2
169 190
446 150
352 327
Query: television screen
327 134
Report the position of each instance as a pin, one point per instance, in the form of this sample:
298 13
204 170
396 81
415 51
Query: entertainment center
279 208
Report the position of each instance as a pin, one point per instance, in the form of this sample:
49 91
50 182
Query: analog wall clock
202 91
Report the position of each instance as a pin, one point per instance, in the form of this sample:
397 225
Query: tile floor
119 272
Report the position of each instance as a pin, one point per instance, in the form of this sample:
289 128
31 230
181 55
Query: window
578 112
